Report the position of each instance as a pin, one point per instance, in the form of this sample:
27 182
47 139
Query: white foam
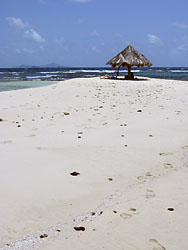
179 71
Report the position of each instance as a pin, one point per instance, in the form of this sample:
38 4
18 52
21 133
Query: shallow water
15 85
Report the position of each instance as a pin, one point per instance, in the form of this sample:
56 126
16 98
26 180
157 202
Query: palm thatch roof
129 57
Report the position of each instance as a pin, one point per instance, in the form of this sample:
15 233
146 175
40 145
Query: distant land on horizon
49 65
53 65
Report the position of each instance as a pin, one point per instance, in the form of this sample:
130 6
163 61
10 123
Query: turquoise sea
14 85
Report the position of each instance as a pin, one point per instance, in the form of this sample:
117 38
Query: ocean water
19 78
14 85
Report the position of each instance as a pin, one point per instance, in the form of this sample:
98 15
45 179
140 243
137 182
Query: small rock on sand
171 209
43 236
79 228
74 173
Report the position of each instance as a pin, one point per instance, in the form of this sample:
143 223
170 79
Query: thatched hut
127 58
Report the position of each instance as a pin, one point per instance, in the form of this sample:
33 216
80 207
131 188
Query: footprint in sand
125 216
148 174
144 178
164 154
140 178
6 142
32 135
149 194
156 245
132 209
167 165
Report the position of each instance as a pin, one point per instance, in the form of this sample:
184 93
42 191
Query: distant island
49 65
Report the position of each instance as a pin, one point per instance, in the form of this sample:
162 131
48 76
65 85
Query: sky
78 33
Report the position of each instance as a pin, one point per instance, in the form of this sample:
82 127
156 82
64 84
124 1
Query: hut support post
118 71
129 71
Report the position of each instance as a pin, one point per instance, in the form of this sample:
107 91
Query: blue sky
90 32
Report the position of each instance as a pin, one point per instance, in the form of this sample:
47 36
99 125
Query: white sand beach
128 143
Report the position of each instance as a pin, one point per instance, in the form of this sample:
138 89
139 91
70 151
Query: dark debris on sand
79 228
74 173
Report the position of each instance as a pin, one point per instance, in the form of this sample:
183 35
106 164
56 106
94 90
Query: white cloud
180 25
34 35
42 1
26 28
153 39
183 47
79 21
17 22
81 1
61 42
175 52
28 51
24 50
94 33
18 51
94 49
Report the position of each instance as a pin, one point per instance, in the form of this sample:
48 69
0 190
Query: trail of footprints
132 212
149 193
156 245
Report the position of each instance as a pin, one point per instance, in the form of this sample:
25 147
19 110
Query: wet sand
95 164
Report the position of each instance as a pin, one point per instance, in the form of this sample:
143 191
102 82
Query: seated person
105 77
